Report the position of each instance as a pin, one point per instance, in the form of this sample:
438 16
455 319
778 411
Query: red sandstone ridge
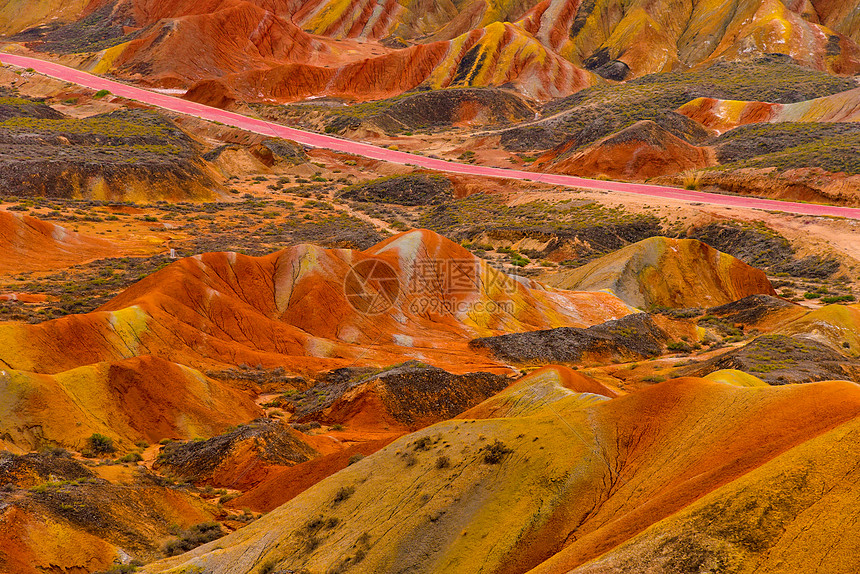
30 244
724 115
499 54
263 54
247 36
362 50
641 151
302 308
282 484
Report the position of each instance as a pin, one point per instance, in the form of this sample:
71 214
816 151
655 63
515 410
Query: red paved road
324 141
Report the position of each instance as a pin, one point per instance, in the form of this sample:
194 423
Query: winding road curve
181 106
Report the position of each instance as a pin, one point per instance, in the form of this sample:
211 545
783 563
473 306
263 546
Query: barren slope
579 477
667 272
29 244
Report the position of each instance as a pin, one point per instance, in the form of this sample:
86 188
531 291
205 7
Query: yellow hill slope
834 325
666 272
18 15
143 398
571 481
628 39
791 515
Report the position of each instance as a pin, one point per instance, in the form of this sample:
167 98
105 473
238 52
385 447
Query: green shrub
101 444
100 94
227 498
422 443
838 299
343 493
133 566
131 457
494 453
194 537
679 346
